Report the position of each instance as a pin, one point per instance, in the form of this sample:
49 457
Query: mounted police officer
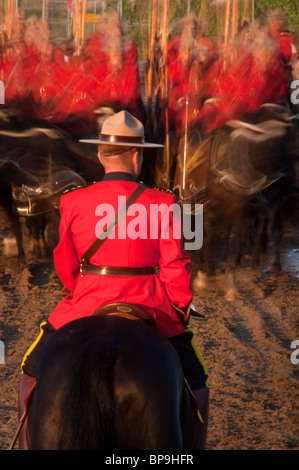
152 273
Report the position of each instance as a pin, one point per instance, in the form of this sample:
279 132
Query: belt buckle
82 266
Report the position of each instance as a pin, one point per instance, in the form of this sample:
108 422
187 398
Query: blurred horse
38 162
109 382
243 174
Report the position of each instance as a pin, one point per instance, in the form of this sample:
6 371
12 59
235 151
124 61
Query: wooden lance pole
151 63
164 86
235 19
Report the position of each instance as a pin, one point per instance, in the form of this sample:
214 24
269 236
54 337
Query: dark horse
111 383
243 174
38 162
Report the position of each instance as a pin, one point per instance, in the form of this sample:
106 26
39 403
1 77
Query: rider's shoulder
73 189
161 189
164 190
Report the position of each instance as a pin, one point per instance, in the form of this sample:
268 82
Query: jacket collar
118 175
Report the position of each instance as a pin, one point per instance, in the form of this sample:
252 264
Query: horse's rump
108 383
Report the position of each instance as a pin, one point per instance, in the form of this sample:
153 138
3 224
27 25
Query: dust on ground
246 344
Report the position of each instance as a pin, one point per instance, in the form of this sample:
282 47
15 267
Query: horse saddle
43 196
126 310
251 157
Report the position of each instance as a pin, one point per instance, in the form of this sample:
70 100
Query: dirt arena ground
246 344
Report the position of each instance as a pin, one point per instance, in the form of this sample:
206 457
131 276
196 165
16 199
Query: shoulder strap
100 240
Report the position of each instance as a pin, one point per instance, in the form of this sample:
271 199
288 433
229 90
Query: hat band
115 139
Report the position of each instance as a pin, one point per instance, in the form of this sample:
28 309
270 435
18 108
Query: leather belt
116 271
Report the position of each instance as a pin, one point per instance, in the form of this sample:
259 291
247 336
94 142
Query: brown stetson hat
122 129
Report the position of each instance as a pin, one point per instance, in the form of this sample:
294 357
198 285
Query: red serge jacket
82 213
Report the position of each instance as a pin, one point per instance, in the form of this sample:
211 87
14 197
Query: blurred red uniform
255 79
17 69
192 72
78 97
108 77
49 81
120 89
179 69
117 81
198 82
95 48
277 32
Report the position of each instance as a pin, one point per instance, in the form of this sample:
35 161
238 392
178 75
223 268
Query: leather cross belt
87 268
116 271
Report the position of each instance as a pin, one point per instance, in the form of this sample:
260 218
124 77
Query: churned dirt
246 343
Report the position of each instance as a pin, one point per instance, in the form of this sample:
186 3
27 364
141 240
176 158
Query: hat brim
121 144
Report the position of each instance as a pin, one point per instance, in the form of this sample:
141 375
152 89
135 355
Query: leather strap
118 271
100 240
122 138
123 309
